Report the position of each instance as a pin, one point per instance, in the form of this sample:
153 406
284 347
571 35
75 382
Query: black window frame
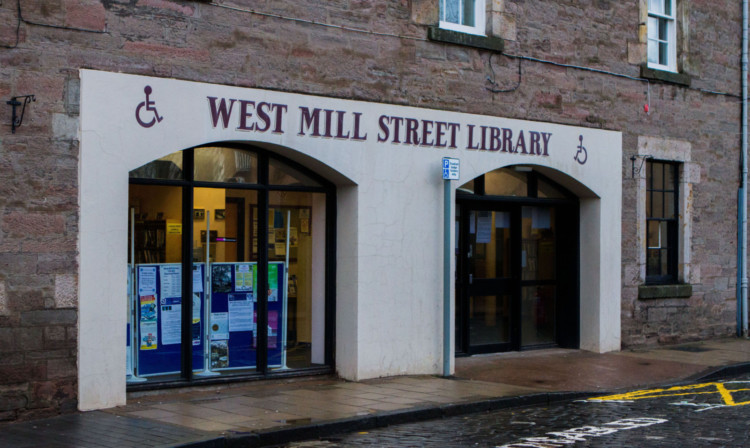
670 274
264 188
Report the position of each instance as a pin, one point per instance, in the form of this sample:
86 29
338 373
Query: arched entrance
229 266
517 263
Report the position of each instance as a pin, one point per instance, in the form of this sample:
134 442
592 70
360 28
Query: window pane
155 284
656 6
451 11
282 174
653 235
538 243
547 190
669 205
669 177
653 28
663 234
652 262
657 204
296 232
658 176
653 51
468 15
667 7
648 204
221 231
468 187
168 167
216 164
664 261
663 30
505 182
538 305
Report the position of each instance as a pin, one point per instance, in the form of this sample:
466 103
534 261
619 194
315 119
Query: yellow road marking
677 391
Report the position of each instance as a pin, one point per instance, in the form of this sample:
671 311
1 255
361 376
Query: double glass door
508 277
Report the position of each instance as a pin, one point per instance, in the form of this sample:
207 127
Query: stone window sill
469 40
664 76
650 292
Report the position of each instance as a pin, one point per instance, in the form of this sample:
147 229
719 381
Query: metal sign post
451 168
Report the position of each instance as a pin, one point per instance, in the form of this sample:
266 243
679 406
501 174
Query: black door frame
567 252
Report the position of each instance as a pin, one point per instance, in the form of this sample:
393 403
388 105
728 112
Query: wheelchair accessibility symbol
150 107
581 156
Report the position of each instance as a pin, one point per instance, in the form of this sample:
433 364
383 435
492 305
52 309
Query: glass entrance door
506 277
487 305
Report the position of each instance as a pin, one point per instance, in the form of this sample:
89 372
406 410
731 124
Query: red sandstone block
33 224
86 14
171 6
164 51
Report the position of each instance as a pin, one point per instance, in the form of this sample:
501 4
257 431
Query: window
466 16
662 35
661 222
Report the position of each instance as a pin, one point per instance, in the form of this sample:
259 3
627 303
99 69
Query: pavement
267 413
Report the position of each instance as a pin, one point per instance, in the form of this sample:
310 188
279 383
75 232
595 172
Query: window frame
672 223
671 39
479 27
264 188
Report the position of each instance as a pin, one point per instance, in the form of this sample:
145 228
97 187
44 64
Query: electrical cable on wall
20 19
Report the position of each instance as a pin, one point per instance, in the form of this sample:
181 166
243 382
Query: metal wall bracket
16 120
640 166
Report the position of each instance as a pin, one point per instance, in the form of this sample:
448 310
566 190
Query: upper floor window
662 35
466 16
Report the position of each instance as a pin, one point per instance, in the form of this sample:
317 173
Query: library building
268 234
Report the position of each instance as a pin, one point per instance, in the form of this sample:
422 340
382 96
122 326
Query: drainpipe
742 302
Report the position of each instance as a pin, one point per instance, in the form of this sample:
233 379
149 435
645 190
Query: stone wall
377 51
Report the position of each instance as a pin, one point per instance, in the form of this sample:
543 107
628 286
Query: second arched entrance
516 263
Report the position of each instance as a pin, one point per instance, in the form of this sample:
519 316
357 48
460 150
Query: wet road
706 414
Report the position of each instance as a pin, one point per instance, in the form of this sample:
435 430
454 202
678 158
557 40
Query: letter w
221 111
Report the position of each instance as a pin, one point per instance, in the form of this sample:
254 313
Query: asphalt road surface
706 414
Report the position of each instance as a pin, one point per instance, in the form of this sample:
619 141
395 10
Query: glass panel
653 28
168 167
547 190
221 226
155 283
667 7
663 53
489 319
468 187
296 234
663 234
669 205
489 244
538 259
451 11
664 261
656 6
280 173
663 30
653 235
669 177
657 204
468 15
505 182
648 204
652 262
653 51
657 182
538 305
215 164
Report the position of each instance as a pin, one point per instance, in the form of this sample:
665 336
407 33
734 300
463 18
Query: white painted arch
389 215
